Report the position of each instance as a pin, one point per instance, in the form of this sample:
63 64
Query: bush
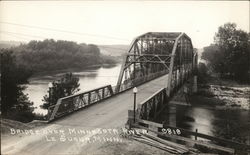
67 85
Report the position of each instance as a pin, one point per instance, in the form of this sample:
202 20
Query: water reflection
228 124
89 79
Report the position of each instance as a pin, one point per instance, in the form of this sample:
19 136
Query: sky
117 22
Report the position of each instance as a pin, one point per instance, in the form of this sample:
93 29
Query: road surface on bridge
108 114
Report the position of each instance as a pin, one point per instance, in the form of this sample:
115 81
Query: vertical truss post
172 65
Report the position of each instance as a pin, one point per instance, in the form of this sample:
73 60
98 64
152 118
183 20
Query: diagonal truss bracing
154 54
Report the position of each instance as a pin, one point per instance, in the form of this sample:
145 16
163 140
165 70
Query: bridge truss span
183 64
157 53
150 56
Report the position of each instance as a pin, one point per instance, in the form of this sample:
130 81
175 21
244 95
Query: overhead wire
16 36
41 37
22 34
64 31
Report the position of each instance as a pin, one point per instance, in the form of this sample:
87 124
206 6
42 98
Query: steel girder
182 64
154 53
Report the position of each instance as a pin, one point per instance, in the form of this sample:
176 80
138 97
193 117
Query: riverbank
223 110
225 94
44 73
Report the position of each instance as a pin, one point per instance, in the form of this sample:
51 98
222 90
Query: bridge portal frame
158 52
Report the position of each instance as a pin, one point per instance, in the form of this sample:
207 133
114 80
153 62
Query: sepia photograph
126 77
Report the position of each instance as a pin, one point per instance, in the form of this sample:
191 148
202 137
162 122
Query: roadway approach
63 136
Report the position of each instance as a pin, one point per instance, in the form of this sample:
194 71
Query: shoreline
222 96
46 73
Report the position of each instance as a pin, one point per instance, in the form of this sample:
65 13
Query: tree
230 55
67 85
202 73
14 103
214 56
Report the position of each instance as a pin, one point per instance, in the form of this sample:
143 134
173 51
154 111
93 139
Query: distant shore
43 73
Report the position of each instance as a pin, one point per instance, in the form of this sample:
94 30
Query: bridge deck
111 113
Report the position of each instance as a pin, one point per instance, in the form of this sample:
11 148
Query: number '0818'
171 131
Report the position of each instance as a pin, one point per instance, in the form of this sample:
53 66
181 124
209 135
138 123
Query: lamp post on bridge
134 91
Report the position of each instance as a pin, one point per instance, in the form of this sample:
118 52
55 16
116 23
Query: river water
230 124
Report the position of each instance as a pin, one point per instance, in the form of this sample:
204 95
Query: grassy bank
7 124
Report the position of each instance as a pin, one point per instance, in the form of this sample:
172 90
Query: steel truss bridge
150 56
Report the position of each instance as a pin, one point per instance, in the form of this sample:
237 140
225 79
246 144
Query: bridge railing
149 77
149 108
75 102
138 81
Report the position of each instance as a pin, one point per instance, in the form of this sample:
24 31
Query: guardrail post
130 118
196 131
155 105
153 128
111 90
89 99
103 93
49 113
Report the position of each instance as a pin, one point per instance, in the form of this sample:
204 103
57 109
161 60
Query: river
233 124
88 78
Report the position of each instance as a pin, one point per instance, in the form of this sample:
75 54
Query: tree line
50 55
229 55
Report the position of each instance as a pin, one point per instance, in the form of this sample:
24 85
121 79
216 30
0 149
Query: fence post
103 93
89 98
196 131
